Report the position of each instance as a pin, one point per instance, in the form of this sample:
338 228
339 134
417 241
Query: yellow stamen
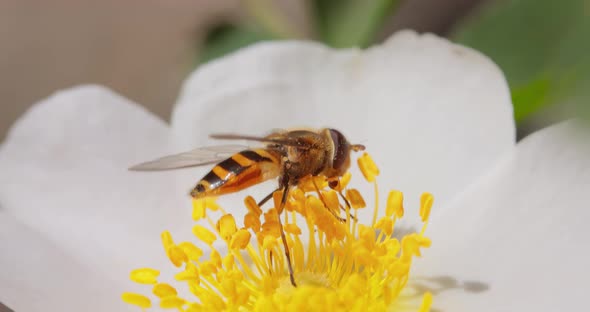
355 198
426 201
177 256
292 228
137 299
252 222
385 224
172 302
395 204
190 273
426 303
211 204
343 182
368 167
226 226
204 234
252 206
240 239
199 209
167 241
338 265
145 276
164 290
193 252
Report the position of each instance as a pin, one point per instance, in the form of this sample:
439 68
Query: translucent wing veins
197 157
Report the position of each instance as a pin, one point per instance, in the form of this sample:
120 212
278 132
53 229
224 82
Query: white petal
64 174
522 231
37 275
433 114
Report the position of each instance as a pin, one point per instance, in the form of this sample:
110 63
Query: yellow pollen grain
426 201
177 256
292 228
368 167
252 206
137 300
229 261
331 200
240 239
355 198
312 183
395 204
192 252
426 302
385 224
252 222
172 302
298 195
215 258
204 234
199 209
271 227
167 240
164 290
277 197
410 246
207 268
190 273
211 204
226 227
144 276
271 215
343 182
269 242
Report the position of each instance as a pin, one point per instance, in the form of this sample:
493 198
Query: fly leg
267 198
348 207
283 237
333 184
317 189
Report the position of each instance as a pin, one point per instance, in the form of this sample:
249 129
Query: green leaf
351 23
227 38
531 96
542 47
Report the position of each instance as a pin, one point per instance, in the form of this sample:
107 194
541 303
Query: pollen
163 290
339 262
355 198
226 227
368 167
204 234
145 276
240 239
395 204
137 300
426 201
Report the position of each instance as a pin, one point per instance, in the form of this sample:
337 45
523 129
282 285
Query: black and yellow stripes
237 172
255 155
230 165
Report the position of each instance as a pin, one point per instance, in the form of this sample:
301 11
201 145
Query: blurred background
144 49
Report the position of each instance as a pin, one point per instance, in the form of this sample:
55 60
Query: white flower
508 226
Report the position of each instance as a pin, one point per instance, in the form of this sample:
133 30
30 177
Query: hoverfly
288 156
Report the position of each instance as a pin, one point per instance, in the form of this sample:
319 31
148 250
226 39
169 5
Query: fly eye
341 149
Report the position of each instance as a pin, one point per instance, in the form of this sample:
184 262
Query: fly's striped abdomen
238 172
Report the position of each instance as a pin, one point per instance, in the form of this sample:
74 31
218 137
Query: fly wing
284 138
197 157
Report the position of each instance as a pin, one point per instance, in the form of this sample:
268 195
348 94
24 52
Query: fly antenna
357 147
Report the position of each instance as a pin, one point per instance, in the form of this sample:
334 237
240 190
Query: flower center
305 279
339 263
